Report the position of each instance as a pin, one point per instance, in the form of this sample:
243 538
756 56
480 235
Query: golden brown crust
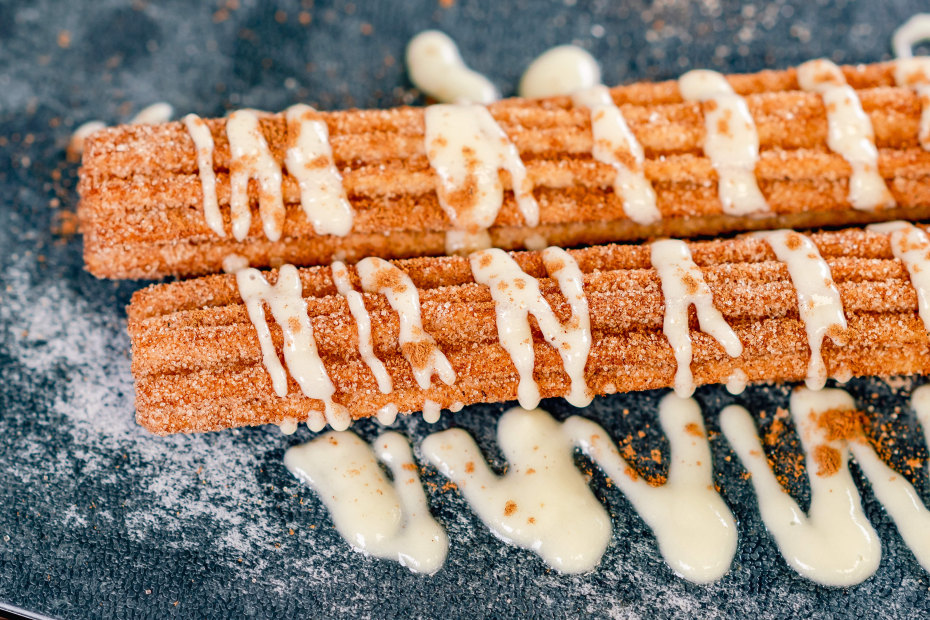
141 208
197 361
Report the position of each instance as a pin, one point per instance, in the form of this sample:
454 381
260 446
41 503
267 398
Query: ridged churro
198 355
630 163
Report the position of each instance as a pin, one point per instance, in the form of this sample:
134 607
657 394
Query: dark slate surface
100 519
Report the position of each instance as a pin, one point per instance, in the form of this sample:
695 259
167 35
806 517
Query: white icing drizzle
456 406
252 159
833 544
911 246
731 142
376 516
160 112
203 142
850 132
309 159
535 242
387 414
516 295
542 503
692 524
909 34
560 70
467 148
683 285
736 383
436 68
303 361
379 276
914 73
431 411
612 136
819 302
363 324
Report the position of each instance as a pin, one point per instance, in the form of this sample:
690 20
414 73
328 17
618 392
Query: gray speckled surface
101 519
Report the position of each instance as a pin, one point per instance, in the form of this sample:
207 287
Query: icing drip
914 73
309 159
833 544
560 70
233 263
683 285
850 132
436 68
431 411
203 142
252 159
731 142
909 34
736 383
516 295
692 524
160 112
300 353
363 324
818 298
376 516
288 426
463 243
615 144
911 246
418 347
542 503
467 149
387 414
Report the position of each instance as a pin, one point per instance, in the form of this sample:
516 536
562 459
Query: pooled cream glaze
435 66
819 301
303 361
731 142
309 159
692 524
379 276
560 70
363 325
909 34
467 149
833 544
914 73
683 285
516 295
542 503
252 159
911 246
376 516
850 132
203 142
612 137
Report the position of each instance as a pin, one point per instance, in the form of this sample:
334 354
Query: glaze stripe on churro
743 152
199 365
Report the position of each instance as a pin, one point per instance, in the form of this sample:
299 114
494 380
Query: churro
448 331
744 152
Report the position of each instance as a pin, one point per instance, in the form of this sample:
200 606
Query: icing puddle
543 502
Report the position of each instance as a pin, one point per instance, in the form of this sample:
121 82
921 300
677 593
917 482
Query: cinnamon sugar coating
198 365
141 201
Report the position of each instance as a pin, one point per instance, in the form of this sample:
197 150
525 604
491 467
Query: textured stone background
101 519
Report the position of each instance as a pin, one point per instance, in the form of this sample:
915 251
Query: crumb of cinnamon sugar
828 460
510 507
